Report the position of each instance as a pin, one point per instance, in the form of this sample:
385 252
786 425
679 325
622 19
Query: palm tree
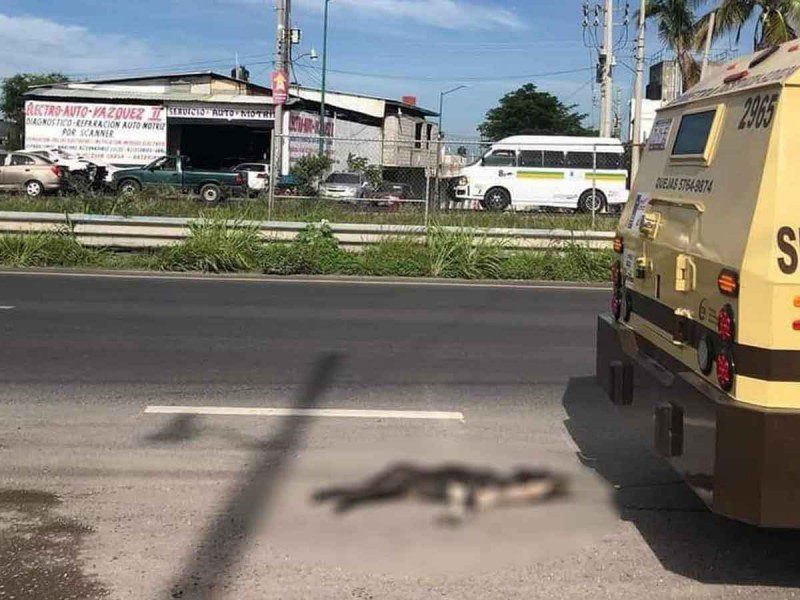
777 20
677 28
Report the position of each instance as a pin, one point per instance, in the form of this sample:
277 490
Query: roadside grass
463 254
217 246
47 250
309 210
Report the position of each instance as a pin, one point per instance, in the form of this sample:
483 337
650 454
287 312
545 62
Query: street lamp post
324 73
441 103
312 56
440 145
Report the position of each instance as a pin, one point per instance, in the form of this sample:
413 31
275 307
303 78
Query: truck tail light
726 328
728 282
705 354
726 370
726 324
57 171
239 179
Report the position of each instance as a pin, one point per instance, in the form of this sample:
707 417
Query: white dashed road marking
305 412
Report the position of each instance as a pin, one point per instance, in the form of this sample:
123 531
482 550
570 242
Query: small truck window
693 133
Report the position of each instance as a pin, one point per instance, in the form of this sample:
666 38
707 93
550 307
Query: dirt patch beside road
39 550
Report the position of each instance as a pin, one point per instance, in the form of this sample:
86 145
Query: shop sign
220 112
123 133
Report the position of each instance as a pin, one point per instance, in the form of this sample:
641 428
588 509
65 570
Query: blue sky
382 47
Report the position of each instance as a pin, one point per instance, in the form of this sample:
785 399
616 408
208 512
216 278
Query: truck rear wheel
211 193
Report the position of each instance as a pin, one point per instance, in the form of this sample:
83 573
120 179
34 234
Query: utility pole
636 137
324 80
606 62
616 121
283 9
712 18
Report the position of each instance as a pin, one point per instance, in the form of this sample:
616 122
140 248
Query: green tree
12 101
308 170
777 21
527 110
678 29
360 164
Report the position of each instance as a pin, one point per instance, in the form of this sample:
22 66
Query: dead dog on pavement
462 489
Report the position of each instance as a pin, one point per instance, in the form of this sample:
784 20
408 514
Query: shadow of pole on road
224 539
685 537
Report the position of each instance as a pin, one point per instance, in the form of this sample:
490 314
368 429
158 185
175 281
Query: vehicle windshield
478 159
167 163
349 178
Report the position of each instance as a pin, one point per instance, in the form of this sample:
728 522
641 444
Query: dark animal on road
459 487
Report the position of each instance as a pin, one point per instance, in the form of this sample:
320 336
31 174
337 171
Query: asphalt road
101 498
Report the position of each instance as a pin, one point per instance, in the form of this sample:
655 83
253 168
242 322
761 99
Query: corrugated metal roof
115 89
169 77
95 94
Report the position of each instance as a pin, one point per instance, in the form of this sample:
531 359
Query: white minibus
584 174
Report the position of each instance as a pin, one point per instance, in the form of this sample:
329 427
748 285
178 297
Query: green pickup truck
176 173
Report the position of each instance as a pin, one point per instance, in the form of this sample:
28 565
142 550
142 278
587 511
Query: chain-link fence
346 179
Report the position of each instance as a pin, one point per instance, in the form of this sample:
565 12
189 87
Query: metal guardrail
151 232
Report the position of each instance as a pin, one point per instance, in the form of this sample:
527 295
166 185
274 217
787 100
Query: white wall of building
649 108
350 138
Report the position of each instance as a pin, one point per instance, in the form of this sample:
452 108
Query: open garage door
219 146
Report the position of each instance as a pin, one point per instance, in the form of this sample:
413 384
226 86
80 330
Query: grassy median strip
310 210
216 246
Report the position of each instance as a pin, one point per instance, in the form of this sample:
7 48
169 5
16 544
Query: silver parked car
344 186
29 173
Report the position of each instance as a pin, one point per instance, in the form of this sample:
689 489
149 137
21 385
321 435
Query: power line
198 63
309 72
576 91
471 79
310 68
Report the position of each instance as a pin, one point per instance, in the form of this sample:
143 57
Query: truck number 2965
758 111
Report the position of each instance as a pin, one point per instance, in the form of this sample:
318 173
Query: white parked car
584 174
257 175
112 168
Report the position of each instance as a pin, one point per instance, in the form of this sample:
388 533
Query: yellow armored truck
701 350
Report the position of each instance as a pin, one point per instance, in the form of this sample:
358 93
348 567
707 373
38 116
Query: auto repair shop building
216 120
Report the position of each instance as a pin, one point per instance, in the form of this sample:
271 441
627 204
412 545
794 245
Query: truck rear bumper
742 460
